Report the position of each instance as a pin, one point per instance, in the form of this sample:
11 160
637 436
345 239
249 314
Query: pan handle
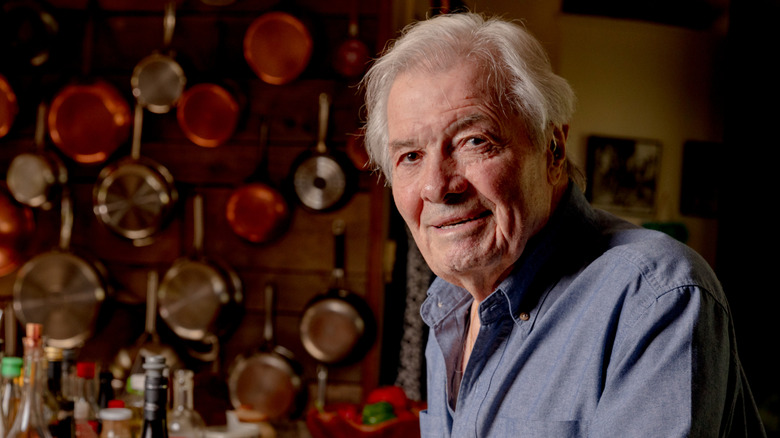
268 325
322 386
66 220
138 122
197 213
151 303
169 23
323 123
40 127
339 246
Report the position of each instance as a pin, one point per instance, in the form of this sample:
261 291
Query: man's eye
411 156
476 141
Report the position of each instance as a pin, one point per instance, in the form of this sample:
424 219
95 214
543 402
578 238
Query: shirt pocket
505 426
431 425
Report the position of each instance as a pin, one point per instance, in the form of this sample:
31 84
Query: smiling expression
466 178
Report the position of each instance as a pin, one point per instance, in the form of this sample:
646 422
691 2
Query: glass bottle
11 392
133 398
61 423
183 420
105 390
155 399
115 422
69 379
85 410
29 421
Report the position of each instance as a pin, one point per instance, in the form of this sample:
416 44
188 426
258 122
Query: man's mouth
462 221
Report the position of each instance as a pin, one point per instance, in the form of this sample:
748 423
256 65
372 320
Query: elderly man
548 318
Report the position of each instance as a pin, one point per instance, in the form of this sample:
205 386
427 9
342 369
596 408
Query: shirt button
524 316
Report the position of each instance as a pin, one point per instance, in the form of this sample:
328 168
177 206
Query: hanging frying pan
61 290
207 114
278 47
130 360
198 296
134 197
36 178
268 381
337 327
322 179
17 227
256 211
158 80
9 106
28 30
352 55
89 119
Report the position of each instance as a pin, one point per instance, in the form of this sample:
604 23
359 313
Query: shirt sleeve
673 371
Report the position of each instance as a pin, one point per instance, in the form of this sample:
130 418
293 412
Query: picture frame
622 173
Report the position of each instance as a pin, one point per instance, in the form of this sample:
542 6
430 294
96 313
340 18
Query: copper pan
278 47
88 118
256 210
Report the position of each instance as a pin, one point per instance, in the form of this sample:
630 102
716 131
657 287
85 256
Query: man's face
466 178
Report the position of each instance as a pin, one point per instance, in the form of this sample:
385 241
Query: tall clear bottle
183 420
85 410
155 399
29 422
11 391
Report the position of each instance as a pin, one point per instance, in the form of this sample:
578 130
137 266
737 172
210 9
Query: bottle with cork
29 420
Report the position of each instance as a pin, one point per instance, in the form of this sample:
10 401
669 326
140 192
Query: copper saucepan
257 211
207 114
88 118
352 55
278 47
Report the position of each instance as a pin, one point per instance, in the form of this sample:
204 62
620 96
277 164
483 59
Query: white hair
517 71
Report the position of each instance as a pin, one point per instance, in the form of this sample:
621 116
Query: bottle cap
115 414
85 370
12 366
154 365
33 330
116 403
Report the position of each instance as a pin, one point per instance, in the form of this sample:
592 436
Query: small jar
116 423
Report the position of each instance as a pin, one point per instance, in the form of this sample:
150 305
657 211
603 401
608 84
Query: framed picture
623 173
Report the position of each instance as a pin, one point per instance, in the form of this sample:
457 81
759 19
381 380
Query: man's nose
442 180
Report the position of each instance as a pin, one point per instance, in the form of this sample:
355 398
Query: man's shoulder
663 262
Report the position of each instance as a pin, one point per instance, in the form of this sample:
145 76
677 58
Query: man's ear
557 154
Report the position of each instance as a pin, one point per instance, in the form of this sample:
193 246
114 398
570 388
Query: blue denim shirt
604 329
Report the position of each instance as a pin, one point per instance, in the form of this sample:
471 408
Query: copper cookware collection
87 121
